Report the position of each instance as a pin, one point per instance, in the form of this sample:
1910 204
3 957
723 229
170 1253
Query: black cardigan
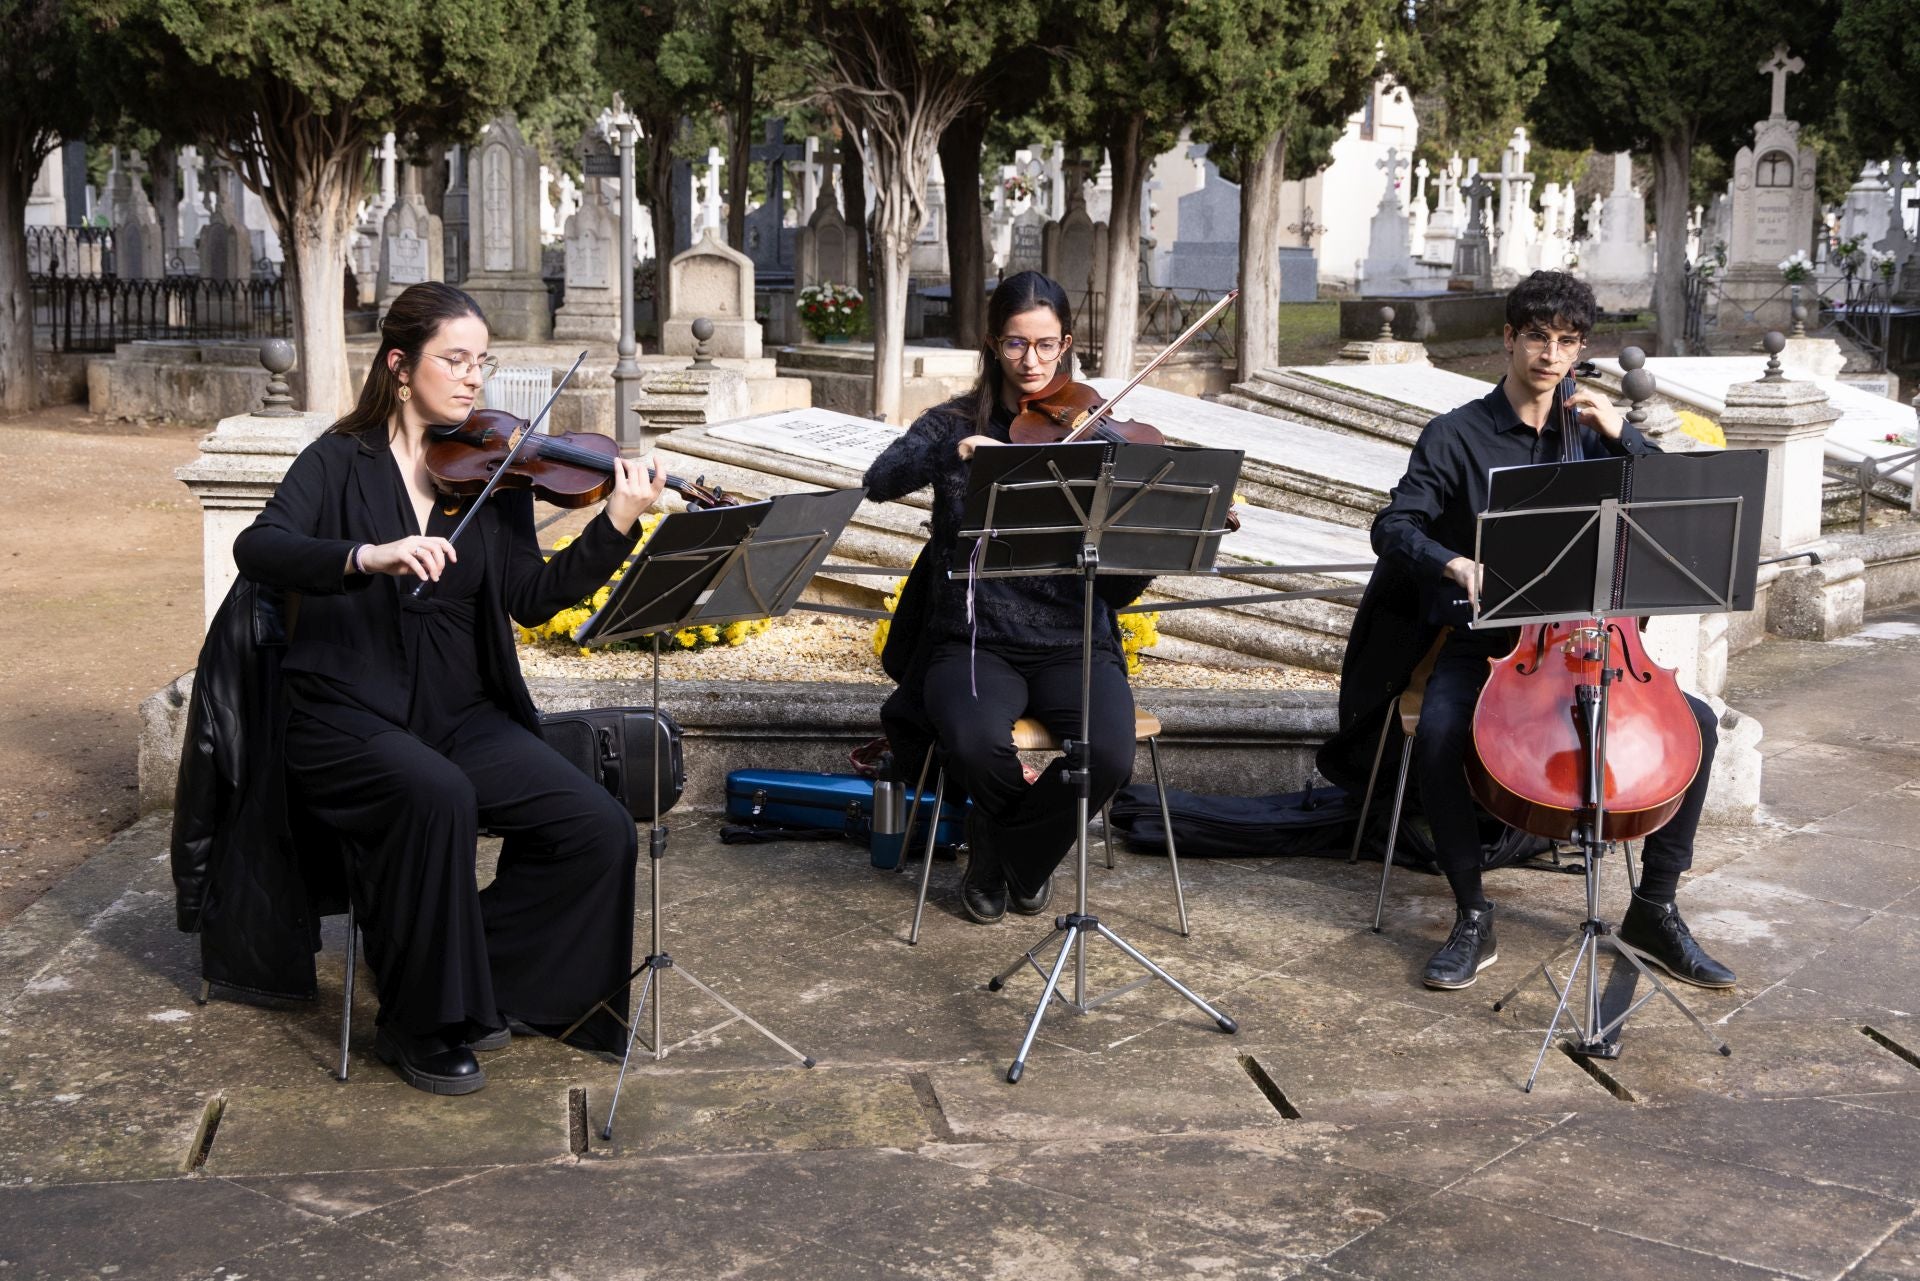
338 494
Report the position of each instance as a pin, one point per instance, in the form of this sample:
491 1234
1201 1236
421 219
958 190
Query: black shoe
983 890
1656 931
498 1039
1030 904
435 1068
1468 950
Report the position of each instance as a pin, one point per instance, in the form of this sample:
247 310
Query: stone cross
1780 66
1420 172
1394 165
1899 174
1477 190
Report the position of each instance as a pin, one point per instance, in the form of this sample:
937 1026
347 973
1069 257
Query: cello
1577 697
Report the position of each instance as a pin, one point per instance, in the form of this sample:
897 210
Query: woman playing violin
966 682
409 726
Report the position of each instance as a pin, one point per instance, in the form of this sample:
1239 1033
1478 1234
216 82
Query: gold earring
406 393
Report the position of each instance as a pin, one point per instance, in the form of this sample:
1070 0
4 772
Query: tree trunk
741 161
1257 328
853 179
658 177
900 160
1123 250
966 251
1673 173
315 254
18 384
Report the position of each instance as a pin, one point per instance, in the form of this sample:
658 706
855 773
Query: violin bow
1088 423
513 451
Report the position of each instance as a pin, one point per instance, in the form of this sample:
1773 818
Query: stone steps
1284 393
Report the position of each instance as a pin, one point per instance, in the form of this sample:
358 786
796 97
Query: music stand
1608 538
1091 509
705 569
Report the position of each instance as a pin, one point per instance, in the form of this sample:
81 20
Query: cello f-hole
1626 652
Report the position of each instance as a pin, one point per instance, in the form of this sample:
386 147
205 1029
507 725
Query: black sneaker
1656 931
1468 950
983 890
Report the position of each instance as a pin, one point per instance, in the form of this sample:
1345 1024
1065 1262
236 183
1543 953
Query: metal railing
1165 314
1851 305
86 313
70 251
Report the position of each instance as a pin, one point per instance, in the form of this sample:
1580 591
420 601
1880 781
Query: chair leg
1166 825
1393 832
926 866
1366 802
1106 826
913 810
346 1003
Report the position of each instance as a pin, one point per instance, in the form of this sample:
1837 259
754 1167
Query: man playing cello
1420 538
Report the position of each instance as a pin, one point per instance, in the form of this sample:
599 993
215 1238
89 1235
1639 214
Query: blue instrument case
832 802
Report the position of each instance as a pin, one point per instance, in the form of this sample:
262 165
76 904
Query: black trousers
553 931
1031 826
1440 750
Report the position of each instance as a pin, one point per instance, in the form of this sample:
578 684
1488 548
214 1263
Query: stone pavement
1358 1125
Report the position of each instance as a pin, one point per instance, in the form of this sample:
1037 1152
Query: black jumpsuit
407 792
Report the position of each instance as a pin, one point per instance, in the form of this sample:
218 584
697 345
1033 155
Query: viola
1530 751
1061 411
571 470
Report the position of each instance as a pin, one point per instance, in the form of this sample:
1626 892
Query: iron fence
1163 315
1856 306
70 251
94 313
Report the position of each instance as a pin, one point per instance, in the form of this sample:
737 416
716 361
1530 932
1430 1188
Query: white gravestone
1774 205
1618 262
715 281
412 242
591 312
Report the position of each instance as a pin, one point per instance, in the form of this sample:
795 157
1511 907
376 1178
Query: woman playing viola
965 682
409 726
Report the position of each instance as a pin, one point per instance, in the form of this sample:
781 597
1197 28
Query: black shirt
1429 518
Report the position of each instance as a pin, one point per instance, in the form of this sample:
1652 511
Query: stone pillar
241 464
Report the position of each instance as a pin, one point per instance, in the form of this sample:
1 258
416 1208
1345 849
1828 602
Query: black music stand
705 569
1091 509
1604 539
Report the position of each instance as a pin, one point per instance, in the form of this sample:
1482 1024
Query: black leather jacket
242 883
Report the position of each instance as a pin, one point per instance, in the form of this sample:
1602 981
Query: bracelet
358 568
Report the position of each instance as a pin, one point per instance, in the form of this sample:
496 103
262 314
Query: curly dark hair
1552 298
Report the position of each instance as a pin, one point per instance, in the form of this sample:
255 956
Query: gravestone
412 242
1443 225
47 201
715 281
1516 231
769 241
1868 205
1074 252
1206 247
139 251
1774 205
453 216
503 212
1618 262
1472 255
927 258
591 312
193 215
225 248
1026 246
1389 263
824 253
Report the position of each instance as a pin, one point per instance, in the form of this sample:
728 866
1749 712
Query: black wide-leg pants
553 931
1440 748
1033 826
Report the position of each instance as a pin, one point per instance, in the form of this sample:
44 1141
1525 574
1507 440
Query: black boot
1468 950
429 1063
1656 931
983 890
1029 904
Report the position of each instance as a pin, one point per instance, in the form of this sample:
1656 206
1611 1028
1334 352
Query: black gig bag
617 747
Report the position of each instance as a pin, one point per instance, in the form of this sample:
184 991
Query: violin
571 470
1528 766
1065 411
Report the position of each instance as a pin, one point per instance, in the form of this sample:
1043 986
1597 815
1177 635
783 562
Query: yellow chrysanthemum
1702 429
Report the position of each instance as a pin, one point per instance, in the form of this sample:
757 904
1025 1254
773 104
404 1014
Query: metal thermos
889 813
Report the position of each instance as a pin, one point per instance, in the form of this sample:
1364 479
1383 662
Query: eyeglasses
1048 348
1536 340
459 366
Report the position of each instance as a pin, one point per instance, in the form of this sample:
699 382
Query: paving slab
1867 874
1895 1259
697 1113
1769 1060
76 1136
1780 1222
